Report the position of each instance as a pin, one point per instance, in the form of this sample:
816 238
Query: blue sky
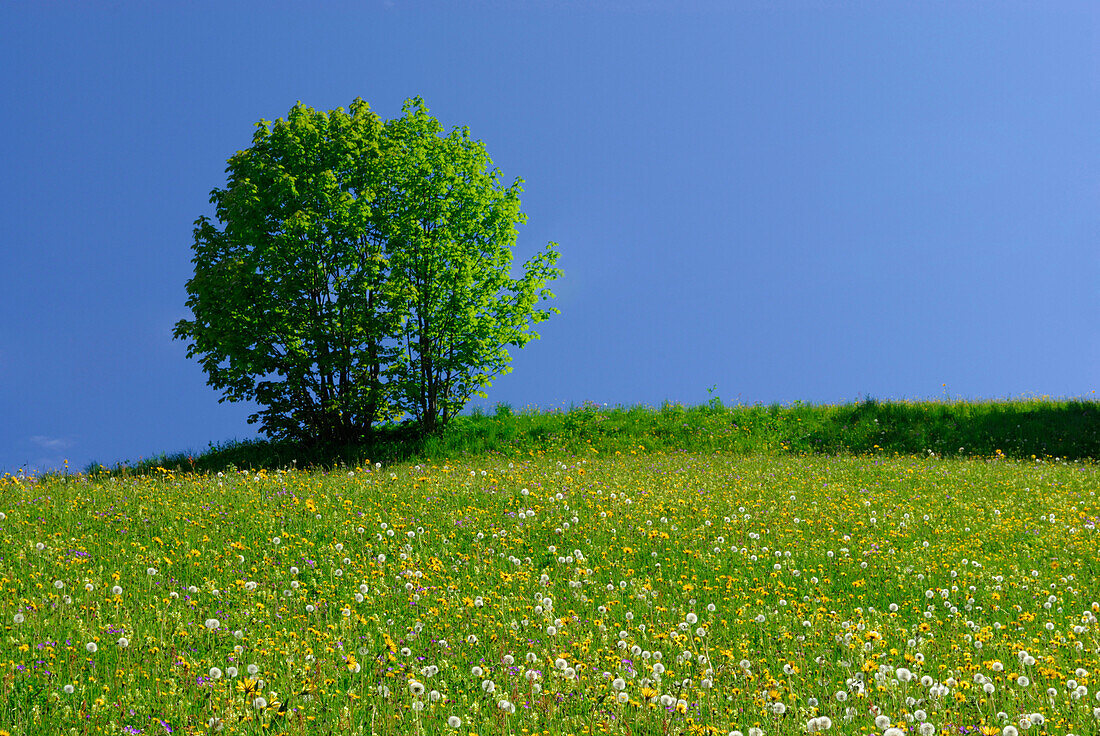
813 201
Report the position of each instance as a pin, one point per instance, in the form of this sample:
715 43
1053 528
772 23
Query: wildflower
123 642
68 689
18 618
92 647
454 721
259 703
212 624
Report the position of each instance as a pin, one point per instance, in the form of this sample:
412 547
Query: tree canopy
359 271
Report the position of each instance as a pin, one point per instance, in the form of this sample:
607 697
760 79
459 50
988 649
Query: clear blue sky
813 201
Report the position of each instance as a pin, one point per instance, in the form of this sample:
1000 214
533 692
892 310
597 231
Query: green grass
524 573
1042 428
538 594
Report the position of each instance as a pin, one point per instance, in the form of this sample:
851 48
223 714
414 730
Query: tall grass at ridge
1042 428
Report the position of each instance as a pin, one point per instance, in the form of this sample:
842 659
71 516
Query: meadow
624 593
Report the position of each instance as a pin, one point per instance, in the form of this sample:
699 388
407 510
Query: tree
358 271
450 228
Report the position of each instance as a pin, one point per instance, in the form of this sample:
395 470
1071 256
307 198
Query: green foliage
358 272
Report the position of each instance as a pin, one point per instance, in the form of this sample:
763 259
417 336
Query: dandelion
123 642
18 618
69 689
454 721
253 669
215 673
92 647
212 624
259 703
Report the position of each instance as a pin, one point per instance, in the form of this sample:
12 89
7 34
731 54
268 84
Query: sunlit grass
1039 427
626 594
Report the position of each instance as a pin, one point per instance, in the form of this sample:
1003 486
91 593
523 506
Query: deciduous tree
357 271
